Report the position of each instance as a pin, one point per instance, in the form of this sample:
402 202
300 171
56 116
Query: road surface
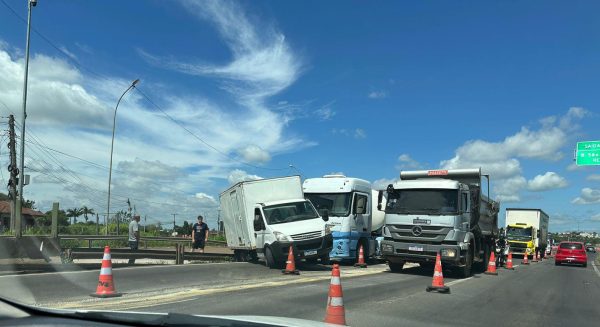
540 294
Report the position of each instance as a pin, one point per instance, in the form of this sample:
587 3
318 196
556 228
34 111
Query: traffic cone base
361 258
437 284
106 287
290 264
335 312
492 266
525 259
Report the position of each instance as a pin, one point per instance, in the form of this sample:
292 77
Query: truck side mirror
379 198
258 223
325 215
538 233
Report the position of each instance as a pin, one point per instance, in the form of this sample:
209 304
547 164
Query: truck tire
396 266
466 271
269 259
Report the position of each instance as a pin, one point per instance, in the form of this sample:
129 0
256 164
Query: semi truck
444 212
527 231
263 218
354 220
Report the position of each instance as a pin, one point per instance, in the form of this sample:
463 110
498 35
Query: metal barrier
179 254
144 240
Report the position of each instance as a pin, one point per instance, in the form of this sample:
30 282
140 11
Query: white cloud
587 196
238 175
548 181
205 197
254 153
325 112
501 159
359 133
381 184
405 162
595 217
507 190
593 177
377 95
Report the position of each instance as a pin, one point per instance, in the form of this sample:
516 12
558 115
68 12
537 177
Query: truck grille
428 234
309 246
518 245
306 236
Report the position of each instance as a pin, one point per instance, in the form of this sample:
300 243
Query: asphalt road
540 294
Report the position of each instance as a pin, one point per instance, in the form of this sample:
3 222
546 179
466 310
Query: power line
199 138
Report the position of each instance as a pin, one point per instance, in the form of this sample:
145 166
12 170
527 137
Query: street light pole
19 204
112 144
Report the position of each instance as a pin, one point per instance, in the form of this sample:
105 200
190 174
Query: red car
571 252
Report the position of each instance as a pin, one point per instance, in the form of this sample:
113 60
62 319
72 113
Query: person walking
199 234
134 235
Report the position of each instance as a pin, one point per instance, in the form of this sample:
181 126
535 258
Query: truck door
240 224
360 224
260 235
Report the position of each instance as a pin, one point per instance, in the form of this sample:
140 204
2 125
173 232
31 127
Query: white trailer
263 218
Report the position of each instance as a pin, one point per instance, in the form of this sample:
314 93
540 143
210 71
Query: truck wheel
396 266
269 259
465 271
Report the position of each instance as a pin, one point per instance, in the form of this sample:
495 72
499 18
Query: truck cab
347 202
281 224
521 238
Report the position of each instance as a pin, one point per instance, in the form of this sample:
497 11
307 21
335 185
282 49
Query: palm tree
85 211
74 213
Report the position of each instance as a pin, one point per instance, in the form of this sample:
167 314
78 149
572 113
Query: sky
238 90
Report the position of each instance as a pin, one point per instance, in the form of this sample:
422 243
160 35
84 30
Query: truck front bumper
414 252
306 249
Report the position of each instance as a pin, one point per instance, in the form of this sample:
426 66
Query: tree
85 211
74 213
63 220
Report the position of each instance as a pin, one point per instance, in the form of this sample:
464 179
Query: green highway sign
588 153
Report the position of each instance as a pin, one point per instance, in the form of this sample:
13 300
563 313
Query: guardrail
178 254
143 239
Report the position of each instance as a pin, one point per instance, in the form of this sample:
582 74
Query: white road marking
595 268
454 282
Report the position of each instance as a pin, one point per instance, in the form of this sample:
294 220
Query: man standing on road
199 234
134 235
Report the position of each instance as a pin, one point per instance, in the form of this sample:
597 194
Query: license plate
311 252
570 259
415 248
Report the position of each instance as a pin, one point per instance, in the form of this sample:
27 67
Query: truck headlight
451 253
387 248
328 229
281 237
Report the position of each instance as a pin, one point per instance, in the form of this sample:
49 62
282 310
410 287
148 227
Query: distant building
29 215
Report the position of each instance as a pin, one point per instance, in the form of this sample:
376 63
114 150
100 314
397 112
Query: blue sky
348 87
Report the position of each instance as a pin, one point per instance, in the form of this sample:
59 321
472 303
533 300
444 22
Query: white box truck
527 230
353 217
263 218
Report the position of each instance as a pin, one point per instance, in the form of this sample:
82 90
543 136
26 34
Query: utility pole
145 223
97 224
18 212
174 222
14 171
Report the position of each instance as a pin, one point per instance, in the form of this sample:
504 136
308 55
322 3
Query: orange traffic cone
535 257
525 259
290 264
509 264
438 278
335 313
361 258
106 287
491 266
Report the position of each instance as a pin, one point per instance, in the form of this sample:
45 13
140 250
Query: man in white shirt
134 235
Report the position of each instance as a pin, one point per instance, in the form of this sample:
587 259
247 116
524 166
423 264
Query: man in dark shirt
199 234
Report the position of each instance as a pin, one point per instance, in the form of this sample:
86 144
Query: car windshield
518 234
423 201
289 212
233 158
337 204
571 246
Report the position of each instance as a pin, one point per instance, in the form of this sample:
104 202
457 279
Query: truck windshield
338 204
419 201
289 212
518 234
